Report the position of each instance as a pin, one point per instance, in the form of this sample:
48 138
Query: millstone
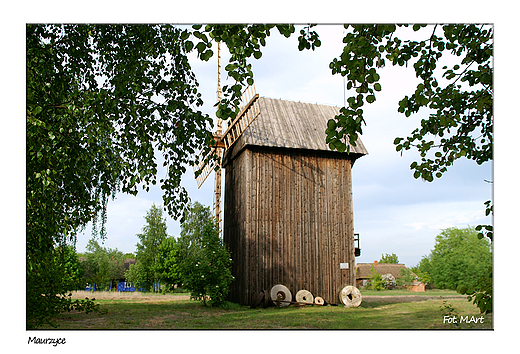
280 291
350 296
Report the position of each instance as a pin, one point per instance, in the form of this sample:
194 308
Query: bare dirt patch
116 295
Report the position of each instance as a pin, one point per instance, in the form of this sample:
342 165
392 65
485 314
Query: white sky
393 212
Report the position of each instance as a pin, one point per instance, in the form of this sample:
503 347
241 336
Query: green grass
401 292
186 314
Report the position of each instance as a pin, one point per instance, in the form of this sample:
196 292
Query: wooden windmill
288 208
248 111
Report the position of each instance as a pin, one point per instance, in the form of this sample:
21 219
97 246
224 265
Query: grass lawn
375 313
404 292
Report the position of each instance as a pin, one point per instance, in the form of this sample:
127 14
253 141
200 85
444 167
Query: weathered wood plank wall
288 220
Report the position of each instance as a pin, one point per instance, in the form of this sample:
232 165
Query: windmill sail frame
249 110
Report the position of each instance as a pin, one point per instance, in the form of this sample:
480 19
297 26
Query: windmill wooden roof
290 124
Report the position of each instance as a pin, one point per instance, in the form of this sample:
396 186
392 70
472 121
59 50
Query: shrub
376 280
208 275
205 263
388 281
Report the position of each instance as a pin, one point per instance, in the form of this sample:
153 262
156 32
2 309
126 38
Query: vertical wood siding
288 220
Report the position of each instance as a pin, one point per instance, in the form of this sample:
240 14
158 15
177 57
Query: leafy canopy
463 261
100 101
459 257
458 96
389 258
154 232
461 122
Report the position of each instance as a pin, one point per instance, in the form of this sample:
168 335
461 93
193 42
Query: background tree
167 266
103 266
205 261
389 258
463 261
153 234
459 257
423 270
140 276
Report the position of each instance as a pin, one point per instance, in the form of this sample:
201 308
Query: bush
208 274
205 264
407 277
388 281
376 280
50 278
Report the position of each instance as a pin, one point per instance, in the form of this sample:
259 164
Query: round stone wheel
350 296
283 292
319 300
304 296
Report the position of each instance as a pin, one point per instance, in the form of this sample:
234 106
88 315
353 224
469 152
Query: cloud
417 226
409 230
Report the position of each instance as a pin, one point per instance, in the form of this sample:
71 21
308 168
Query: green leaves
457 113
205 262
461 122
460 260
486 230
92 126
308 39
188 45
358 63
167 266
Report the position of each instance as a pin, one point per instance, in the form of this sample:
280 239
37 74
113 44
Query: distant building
364 272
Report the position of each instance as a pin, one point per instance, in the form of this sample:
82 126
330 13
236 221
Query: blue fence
122 286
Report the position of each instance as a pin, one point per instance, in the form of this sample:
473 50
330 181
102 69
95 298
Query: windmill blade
206 165
249 110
